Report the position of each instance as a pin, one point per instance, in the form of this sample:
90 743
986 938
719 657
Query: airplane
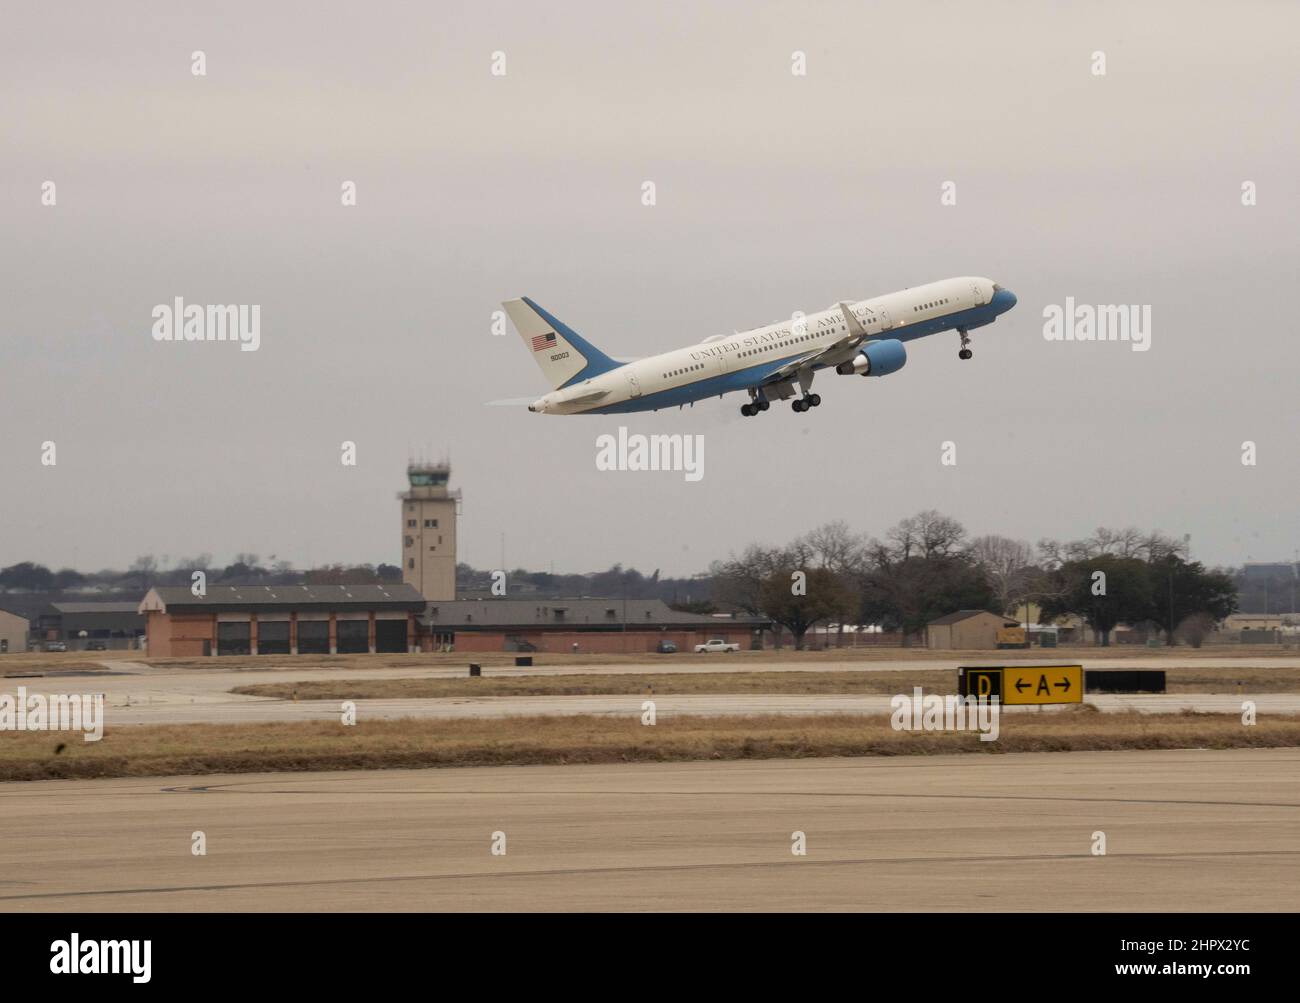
769 363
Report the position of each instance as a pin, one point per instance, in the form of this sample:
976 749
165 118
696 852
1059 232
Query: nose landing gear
965 352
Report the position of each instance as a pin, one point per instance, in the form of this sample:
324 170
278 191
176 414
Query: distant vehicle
667 648
716 644
1012 637
96 646
55 646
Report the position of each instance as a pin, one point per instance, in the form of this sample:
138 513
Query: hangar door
353 636
390 635
273 637
234 638
313 637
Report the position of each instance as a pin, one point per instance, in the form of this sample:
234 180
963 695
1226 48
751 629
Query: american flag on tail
543 342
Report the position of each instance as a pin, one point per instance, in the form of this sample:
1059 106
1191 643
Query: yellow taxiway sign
1033 684
1023 684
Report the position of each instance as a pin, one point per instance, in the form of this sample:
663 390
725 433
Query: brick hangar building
281 619
422 613
344 619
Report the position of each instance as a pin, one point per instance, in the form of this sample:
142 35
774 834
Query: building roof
570 614
962 614
96 607
73 618
387 595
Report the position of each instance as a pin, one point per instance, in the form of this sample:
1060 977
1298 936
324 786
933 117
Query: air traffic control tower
429 531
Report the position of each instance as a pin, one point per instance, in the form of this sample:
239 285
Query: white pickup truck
716 644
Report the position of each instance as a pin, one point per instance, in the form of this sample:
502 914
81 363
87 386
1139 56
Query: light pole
1171 604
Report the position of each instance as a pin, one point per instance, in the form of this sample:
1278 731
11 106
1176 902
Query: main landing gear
965 352
757 404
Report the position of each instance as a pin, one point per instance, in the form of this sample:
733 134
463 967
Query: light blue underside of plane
598 363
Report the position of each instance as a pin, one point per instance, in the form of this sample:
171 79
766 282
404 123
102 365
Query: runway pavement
1184 830
136 693
245 710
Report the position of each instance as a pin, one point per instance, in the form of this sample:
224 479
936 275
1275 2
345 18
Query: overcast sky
775 193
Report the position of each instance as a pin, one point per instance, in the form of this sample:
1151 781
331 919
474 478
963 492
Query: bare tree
834 546
926 534
1196 628
738 581
144 569
1156 546
1128 543
1007 564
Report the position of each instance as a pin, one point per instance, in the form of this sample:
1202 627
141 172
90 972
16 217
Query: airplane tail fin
563 355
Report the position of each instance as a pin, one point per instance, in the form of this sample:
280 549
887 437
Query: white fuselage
726 363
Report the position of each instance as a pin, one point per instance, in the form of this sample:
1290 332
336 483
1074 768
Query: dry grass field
155 750
138 751
1248 679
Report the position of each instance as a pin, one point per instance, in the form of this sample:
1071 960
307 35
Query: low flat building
967 629
585 625
115 625
13 632
1259 621
281 619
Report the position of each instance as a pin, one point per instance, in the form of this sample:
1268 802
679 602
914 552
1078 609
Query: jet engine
877 358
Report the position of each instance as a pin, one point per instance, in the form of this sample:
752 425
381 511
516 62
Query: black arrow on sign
1021 685
1065 685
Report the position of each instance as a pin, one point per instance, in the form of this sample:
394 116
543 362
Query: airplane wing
854 335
